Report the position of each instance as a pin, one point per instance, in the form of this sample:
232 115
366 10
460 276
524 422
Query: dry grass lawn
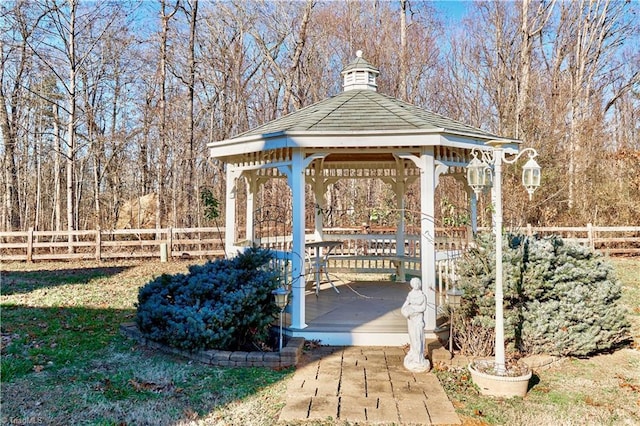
64 362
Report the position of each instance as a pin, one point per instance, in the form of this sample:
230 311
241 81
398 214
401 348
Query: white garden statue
413 310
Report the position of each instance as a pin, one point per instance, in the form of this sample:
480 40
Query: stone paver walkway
365 385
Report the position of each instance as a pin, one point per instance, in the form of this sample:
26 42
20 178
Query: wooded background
107 106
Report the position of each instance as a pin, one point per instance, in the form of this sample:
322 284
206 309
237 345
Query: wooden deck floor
364 306
363 313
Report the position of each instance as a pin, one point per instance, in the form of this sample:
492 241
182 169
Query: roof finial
360 74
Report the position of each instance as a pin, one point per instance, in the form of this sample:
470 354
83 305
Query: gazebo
358 132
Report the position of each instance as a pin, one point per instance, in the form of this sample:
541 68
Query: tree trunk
530 28
10 202
191 94
8 122
164 144
403 50
57 178
71 125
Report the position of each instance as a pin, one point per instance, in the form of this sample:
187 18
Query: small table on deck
320 260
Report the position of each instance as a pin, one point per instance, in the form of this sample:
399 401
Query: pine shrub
223 304
559 298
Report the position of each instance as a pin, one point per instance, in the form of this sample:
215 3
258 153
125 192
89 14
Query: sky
452 9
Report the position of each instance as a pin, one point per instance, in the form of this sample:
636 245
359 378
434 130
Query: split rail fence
176 243
111 244
611 240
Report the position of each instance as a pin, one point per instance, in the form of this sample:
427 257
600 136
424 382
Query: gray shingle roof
363 110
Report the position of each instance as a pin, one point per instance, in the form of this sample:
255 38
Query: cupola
360 74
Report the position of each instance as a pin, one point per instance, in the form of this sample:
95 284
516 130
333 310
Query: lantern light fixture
484 169
281 298
531 176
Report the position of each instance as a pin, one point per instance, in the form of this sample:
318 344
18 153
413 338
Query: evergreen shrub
560 298
222 304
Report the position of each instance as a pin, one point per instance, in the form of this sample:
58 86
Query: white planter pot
500 386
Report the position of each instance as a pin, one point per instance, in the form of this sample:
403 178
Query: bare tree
164 143
593 32
403 49
532 24
152 92
191 178
15 54
273 44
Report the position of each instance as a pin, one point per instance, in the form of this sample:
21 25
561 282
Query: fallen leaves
311 344
458 404
624 383
592 402
6 339
141 386
470 421
543 389
190 414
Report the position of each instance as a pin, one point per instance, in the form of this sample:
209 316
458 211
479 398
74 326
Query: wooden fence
104 244
612 240
208 242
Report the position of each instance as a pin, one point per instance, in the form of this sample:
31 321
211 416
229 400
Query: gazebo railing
282 264
375 253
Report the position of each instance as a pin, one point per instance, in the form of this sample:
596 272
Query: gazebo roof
365 110
359 119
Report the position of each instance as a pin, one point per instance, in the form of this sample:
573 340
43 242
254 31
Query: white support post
319 191
400 188
428 234
230 210
297 183
428 178
252 188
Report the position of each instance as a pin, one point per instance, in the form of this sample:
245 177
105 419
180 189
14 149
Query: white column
297 184
252 188
400 187
428 234
319 190
230 210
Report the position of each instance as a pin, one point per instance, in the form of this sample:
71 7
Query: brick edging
289 356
